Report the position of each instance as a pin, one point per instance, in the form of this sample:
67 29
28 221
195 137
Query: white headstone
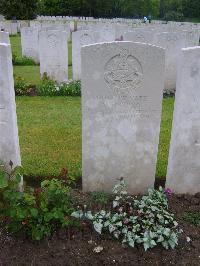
53 51
4 37
107 35
173 42
79 39
30 43
122 87
10 27
120 29
9 142
143 36
183 174
192 38
58 27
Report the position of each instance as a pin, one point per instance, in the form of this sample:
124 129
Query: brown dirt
75 247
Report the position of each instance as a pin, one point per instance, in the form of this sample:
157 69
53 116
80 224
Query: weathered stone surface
10 27
79 39
4 37
173 42
192 37
9 142
57 27
54 55
143 36
86 37
122 85
183 174
106 35
30 42
120 30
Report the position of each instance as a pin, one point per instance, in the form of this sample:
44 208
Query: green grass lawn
165 135
16 45
31 74
50 127
50 135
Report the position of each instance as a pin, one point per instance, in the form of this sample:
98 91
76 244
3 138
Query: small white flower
188 239
98 249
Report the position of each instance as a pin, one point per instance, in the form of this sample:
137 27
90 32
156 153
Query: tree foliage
120 8
19 9
26 9
100 8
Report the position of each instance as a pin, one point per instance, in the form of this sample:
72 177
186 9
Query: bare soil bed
76 247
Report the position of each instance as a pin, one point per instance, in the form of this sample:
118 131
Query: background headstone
53 51
143 36
183 175
4 37
30 42
79 39
173 42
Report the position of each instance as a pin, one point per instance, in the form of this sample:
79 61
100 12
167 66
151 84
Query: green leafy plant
50 88
174 16
37 212
100 197
22 61
133 221
10 178
47 87
192 217
21 86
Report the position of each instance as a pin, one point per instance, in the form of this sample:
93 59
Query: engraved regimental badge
123 72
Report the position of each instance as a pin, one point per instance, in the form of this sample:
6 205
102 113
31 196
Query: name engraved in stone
123 107
141 37
172 38
54 67
191 168
192 116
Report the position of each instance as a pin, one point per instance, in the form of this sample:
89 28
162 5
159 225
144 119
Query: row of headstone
109 20
173 42
81 38
49 48
84 23
166 36
10 27
53 25
122 84
35 46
